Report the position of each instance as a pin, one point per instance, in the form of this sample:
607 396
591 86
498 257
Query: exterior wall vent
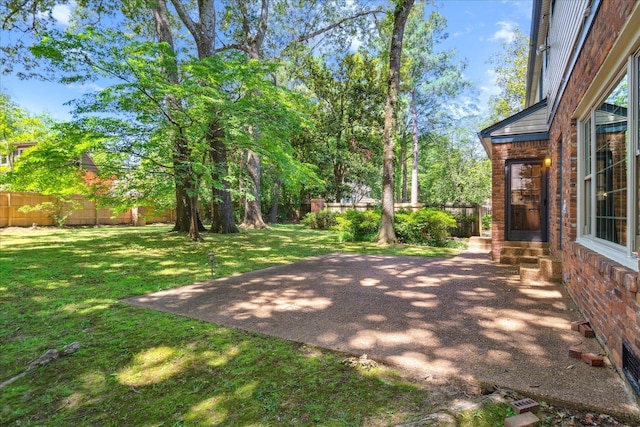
631 367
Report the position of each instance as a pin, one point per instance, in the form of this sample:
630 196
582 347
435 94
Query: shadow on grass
141 367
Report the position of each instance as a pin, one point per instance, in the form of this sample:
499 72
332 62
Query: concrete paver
463 316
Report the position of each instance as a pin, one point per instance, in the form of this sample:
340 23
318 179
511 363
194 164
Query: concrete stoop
515 253
479 244
547 269
536 265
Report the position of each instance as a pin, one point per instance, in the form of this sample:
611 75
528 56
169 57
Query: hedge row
424 226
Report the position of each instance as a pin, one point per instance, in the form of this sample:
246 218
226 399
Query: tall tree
510 69
387 233
348 98
453 170
186 179
430 77
202 27
250 34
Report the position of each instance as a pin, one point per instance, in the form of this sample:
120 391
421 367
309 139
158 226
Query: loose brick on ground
525 405
592 359
586 331
575 326
526 419
575 352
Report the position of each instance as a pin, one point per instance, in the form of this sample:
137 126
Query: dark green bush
321 220
430 226
355 226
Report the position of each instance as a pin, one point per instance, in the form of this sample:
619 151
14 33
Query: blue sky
476 29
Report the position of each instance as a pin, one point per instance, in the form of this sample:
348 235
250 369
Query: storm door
526 196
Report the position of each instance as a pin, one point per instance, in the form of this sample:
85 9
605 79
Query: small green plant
59 211
488 415
464 224
320 220
486 222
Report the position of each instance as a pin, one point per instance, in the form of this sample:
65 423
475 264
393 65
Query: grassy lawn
147 368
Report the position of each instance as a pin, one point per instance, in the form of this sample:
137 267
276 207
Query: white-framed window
607 166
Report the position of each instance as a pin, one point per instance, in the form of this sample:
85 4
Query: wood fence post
9 209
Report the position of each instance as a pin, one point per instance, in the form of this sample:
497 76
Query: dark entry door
526 201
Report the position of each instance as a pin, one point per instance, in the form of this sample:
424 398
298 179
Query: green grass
147 368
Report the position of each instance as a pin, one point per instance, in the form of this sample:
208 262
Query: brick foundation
607 294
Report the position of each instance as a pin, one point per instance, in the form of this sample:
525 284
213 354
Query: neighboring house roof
526 125
85 162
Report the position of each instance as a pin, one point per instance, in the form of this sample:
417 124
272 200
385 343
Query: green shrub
486 222
321 220
355 226
464 224
430 226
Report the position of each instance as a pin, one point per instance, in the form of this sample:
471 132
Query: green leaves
511 69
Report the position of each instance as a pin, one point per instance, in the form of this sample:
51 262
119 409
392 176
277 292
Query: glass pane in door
525 197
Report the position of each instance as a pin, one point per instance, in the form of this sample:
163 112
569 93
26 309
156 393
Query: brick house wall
605 291
501 153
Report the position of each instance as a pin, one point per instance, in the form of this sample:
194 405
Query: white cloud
355 44
466 30
62 14
505 33
489 87
86 87
464 106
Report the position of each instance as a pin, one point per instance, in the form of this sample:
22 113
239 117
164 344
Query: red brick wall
606 292
500 153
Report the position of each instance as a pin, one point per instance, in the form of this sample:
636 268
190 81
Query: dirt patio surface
464 316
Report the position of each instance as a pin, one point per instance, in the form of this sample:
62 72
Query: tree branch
262 25
308 36
186 19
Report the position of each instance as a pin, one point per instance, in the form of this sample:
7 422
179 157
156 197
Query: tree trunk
252 210
387 234
414 132
273 212
187 219
403 161
222 220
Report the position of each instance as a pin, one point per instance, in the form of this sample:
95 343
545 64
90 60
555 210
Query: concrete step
519 244
514 253
530 272
550 268
517 259
509 250
480 244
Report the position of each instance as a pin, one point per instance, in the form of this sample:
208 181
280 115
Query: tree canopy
203 106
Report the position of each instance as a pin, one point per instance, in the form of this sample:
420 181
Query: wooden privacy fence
87 213
468 216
